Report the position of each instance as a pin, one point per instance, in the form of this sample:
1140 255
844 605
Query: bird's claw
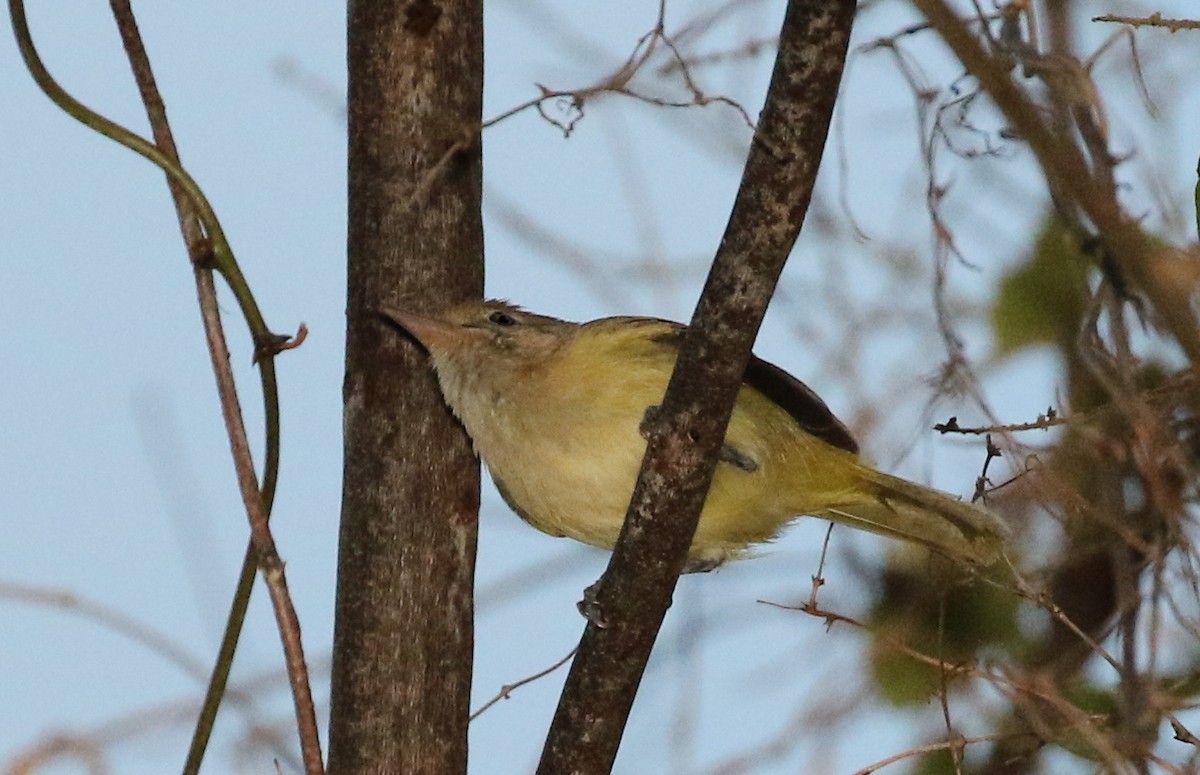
589 607
648 419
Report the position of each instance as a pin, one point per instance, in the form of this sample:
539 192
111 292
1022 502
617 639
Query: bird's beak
435 334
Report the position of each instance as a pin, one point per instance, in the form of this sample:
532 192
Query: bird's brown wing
782 389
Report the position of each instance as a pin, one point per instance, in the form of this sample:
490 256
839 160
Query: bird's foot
702 565
648 419
589 607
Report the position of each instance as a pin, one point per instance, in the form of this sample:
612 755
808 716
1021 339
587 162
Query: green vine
266 345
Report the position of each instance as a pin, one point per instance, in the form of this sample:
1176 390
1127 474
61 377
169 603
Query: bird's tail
894 507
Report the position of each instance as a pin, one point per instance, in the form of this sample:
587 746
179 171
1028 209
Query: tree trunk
403 633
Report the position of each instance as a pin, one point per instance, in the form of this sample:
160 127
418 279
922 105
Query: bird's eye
502 318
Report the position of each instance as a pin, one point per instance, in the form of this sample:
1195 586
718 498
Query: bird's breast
566 458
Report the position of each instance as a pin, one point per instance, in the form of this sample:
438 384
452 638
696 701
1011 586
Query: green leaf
1042 300
935 763
931 608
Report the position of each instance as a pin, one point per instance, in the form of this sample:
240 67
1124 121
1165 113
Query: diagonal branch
193 237
261 549
685 436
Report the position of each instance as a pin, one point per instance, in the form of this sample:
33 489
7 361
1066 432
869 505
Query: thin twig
617 82
1153 20
832 617
1044 601
1160 273
109 618
1085 725
981 481
209 249
1043 422
146 724
956 753
507 689
818 579
258 503
198 251
955 745
1182 733
269 562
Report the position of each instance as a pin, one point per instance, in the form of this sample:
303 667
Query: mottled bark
686 435
403 634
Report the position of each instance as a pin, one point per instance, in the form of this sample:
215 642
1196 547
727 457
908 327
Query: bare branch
261 551
955 745
1043 422
1153 20
117 621
507 690
208 249
685 436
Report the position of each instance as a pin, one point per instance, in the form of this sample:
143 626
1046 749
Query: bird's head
484 346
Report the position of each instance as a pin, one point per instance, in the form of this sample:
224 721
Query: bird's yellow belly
580 485
580 488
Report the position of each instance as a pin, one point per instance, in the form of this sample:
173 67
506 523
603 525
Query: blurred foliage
935 763
1043 299
1092 480
929 606
1090 698
1183 687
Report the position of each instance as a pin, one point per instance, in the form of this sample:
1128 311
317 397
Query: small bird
554 409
